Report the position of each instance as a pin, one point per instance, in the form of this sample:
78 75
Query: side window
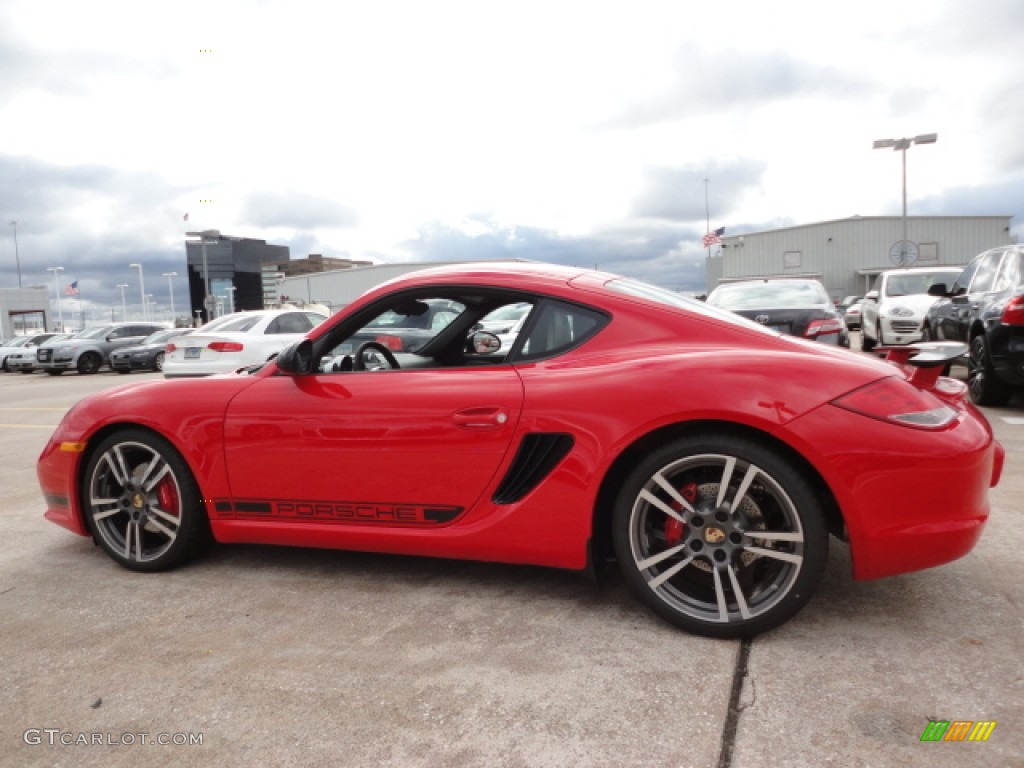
960 286
986 274
1009 274
557 328
293 322
119 333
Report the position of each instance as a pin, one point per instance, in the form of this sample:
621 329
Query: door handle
485 417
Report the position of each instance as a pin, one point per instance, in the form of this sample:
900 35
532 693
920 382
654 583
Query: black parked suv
985 308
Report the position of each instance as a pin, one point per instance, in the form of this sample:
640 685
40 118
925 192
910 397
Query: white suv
894 309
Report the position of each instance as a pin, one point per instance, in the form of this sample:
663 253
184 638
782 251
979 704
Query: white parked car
237 340
23 359
19 344
893 311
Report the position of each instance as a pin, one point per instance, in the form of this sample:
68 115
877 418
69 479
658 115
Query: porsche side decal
338 511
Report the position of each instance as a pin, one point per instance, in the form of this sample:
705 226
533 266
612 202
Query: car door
395 447
966 305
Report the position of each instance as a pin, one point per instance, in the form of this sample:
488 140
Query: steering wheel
359 363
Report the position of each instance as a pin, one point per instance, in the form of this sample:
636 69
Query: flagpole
707 215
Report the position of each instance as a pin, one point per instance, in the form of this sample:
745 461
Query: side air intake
538 454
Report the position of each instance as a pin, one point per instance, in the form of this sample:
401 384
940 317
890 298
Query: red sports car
709 456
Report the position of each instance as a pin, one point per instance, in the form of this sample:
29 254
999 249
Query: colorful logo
958 730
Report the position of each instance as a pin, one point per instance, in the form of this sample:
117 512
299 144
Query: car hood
918 302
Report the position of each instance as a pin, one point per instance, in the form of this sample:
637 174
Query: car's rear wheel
983 385
720 535
866 342
158 361
142 503
89 363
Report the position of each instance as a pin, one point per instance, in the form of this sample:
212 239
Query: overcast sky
572 132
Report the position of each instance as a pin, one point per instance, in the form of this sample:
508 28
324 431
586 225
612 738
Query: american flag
712 238
72 289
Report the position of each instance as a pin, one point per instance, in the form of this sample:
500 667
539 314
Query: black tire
983 385
89 363
158 362
55 371
141 502
694 556
866 344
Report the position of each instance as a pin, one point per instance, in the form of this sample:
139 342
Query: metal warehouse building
847 254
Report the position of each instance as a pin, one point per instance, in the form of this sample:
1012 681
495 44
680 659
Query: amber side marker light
72 447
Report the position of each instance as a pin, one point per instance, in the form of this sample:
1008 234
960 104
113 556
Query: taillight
1013 312
823 326
394 343
225 346
897 401
170 347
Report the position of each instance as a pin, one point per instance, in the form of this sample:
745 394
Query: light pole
124 307
142 289
56 290
208 302
145 306
17 258
170 289
902 145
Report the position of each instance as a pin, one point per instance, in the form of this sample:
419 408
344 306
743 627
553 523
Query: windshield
918 282
93 333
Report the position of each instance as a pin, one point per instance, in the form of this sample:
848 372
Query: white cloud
400 129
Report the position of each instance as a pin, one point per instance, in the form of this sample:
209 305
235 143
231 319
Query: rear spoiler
927 358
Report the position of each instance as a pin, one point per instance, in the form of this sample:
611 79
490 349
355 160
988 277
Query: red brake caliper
674 528
167 495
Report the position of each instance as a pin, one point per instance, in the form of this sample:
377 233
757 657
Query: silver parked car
89 350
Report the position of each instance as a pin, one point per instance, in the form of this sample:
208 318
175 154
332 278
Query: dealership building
847 254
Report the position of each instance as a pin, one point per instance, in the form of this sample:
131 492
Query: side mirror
484 343
296 358
938 289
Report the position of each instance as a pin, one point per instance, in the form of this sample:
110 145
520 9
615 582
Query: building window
928 252
791 259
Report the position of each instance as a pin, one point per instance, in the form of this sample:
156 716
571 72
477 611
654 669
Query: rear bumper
911 499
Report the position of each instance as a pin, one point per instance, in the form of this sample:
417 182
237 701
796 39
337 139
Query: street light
170 287
902 145
208 302
142 289
56 290
124 307
17 259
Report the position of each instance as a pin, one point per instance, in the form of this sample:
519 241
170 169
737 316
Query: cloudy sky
568 131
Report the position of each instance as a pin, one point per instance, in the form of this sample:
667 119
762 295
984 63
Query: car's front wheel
983 385
720 535
89 362
142 503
